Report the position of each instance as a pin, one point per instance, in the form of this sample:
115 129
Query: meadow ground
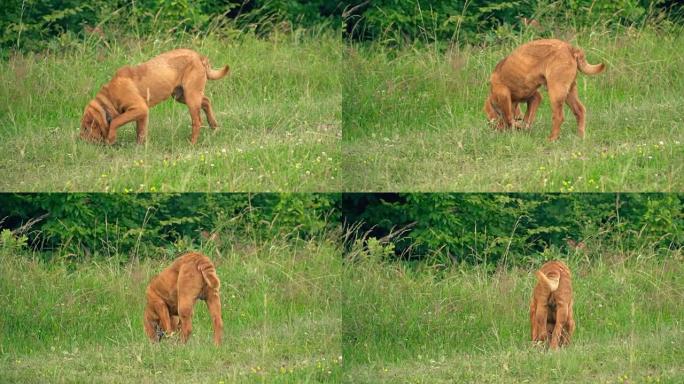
413 120
83 322
279 114
411 325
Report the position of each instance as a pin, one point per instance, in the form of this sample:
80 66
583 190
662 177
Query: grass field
411 325
279 113
280 311
413 120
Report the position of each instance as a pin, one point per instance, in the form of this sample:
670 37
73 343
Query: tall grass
280 311
413 119
278 111
404 323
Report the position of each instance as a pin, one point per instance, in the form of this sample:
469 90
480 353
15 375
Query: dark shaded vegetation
512 228
483 21
36 25
77 226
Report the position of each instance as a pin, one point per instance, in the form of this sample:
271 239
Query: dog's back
203 265
534 59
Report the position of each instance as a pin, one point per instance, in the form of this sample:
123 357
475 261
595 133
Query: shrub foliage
491 228
34 25
92 225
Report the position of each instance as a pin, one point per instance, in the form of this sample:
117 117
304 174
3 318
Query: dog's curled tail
209 274
214 74
550 281
583 65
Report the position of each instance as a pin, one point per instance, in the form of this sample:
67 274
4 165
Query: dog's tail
550 281
214 74
209 274
583 65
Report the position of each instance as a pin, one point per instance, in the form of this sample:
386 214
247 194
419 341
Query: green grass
280 311
411 325
413 121
279 115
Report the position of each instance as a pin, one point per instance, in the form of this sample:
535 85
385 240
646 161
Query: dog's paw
538 344
497 124
519 124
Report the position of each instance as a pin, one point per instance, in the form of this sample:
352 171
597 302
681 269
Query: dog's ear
93 123
87 124
489 109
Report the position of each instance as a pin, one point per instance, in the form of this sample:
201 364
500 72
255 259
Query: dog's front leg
532 105
133 114
162 312
540 322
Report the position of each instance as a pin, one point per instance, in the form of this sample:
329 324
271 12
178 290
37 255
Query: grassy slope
413 121
280 311
473 327
279 116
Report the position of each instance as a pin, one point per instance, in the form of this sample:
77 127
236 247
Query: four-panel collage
385 191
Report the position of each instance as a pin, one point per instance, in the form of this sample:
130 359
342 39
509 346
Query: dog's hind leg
541 315
179 96
569 327
559 82
561 321
206 107
141 129
193 92
194 105
557 99
533 328
577 108
214 306
189 286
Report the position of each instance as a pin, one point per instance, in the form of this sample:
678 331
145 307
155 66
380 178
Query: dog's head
94 123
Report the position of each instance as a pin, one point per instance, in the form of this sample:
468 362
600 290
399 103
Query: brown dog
551 305
180 73
171 297
517 78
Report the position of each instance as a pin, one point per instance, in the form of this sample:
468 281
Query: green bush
77 226
493 228
475 21
33 25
